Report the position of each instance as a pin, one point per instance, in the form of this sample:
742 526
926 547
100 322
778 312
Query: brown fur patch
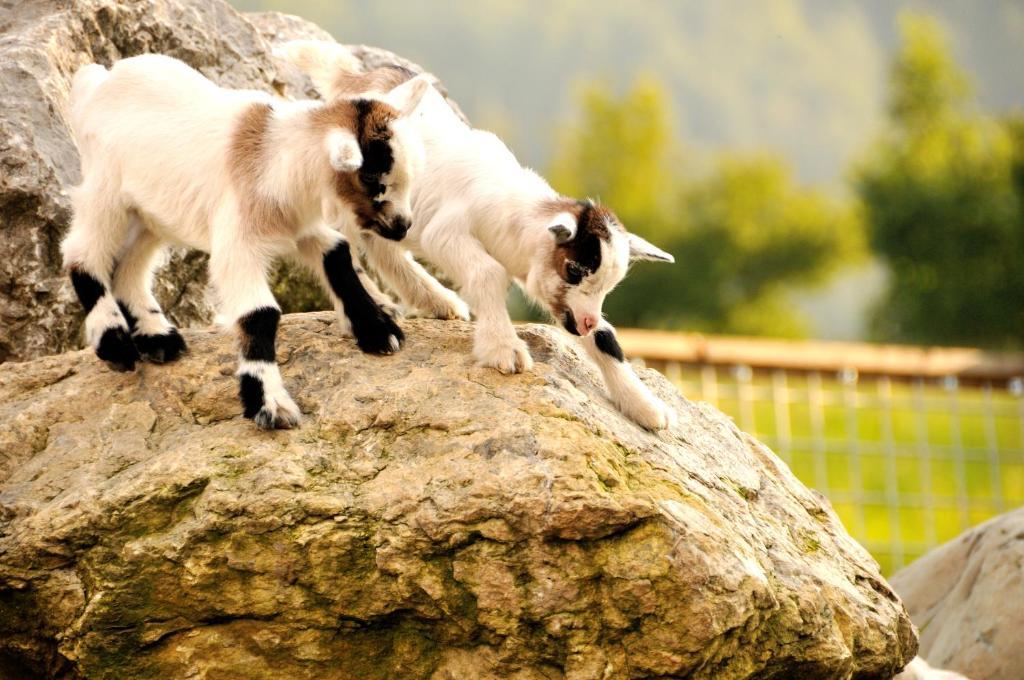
592 227
385 79
370 120
338 113
246 163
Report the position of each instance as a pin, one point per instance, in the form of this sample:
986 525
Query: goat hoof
270 410
162 348
383 336
117 349
267 419
649 412
508 359
453 310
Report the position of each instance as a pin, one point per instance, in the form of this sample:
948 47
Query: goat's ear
407 96
563 227
640 249
343 151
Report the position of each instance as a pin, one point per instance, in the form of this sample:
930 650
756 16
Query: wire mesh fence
908 461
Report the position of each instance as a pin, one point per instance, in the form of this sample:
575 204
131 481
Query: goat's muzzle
394 228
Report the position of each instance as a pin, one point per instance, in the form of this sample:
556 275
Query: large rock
42 43
430 519
966 599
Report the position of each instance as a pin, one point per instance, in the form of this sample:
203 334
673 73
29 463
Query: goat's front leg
629 394
483 283
239 277
414 284
357 301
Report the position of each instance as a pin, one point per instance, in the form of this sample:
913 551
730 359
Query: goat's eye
372 184
574 273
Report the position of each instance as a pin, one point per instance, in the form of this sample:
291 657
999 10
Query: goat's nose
399 227
587 323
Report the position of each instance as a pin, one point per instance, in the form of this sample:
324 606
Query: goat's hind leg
155 337
97 234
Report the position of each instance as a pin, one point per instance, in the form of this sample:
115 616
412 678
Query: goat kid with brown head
169 157
483 220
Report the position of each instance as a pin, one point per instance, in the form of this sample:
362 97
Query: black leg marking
607 342
88 288
128 316
162 348
375 331
117 349
259 332
115 346
159 349
250 391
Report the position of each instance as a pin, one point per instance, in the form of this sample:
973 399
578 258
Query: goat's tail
326 63
84 83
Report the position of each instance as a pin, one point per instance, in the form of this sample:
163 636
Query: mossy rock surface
429 519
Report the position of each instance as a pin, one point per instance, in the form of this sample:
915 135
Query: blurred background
822 170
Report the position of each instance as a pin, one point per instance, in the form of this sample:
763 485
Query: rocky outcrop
965 597
42 43
429 519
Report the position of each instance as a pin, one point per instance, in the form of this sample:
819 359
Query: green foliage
943 193
926 86
297 289
623 152
743 234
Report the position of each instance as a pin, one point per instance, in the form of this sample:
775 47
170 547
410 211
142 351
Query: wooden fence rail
970 366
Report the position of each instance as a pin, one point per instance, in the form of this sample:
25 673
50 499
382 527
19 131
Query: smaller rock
965 599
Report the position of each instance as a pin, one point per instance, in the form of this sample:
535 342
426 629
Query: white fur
629 393
477 217
919 669
103 316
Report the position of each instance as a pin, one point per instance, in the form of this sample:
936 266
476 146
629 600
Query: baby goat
169 157
482 218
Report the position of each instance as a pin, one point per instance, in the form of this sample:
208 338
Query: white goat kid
483 219
169 157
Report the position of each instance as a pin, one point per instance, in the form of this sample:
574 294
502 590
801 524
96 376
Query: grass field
907 465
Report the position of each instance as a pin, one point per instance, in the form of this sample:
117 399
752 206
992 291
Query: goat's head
588 255
376 154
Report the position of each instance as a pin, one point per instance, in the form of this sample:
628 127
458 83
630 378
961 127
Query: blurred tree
943 194
743 234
